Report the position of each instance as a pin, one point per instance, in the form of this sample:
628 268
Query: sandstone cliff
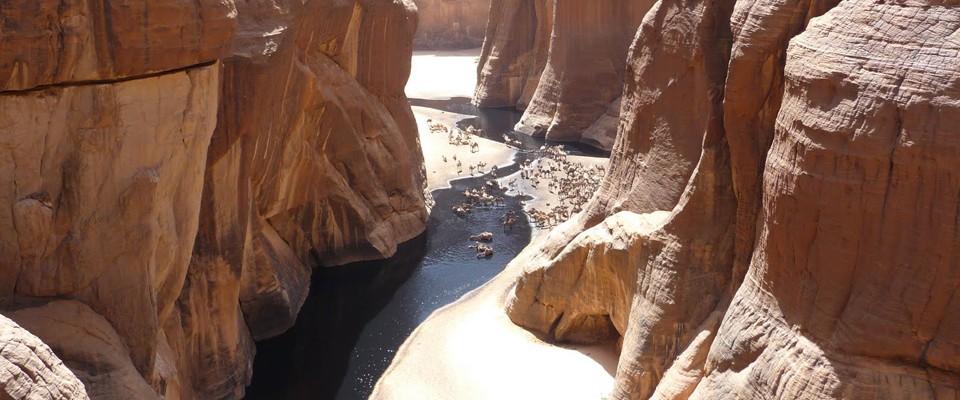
562 62
801 161
451 24
171 173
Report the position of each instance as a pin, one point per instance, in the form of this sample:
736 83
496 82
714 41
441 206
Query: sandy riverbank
444 76
470 349
539 197
438 153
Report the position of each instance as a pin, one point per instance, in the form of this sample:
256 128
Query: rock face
451 24
30 370
48 42
561 61
103 197
800 162
173 172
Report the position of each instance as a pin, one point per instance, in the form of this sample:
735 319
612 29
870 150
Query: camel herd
572 183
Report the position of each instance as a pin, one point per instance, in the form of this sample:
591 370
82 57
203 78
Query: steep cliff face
49 42
780 217
859 219
101 183
561 61
173 172
451 24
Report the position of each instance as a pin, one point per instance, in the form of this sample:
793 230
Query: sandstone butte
804 159
171 171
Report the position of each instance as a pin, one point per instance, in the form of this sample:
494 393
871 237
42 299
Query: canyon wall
562 62
451 24
172 172
780 218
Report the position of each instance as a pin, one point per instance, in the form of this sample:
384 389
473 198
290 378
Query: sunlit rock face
451 24
171 174
31 369
562 62
48 42
780 218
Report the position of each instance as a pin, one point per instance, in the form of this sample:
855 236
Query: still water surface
358 315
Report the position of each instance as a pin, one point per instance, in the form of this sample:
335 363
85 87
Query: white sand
436 145
440 75
470 349
443 75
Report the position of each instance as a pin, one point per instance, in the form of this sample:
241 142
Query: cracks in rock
186 109
926 345
40 88
61 8
552 331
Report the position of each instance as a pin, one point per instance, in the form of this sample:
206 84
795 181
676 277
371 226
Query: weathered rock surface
30 370
451 24
514 52
805 174
173 172
561 61
858 237
49 42
102 185
329 171
83 338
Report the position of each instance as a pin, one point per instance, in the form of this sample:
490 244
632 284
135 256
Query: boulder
30 370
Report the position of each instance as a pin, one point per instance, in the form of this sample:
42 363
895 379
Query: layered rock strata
802 164
562 62
173 172
451 24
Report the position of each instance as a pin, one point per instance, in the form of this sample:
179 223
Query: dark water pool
357 316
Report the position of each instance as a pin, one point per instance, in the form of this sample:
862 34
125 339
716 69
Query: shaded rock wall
562 62
451 24
514 52
780 216
172 173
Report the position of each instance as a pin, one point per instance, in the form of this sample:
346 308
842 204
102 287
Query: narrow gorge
274 199
779 219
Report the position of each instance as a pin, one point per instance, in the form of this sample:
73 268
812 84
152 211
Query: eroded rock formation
780 216
562 62
173 171
451 24
30 370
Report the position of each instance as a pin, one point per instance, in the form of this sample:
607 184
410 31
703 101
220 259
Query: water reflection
307 362
357 316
